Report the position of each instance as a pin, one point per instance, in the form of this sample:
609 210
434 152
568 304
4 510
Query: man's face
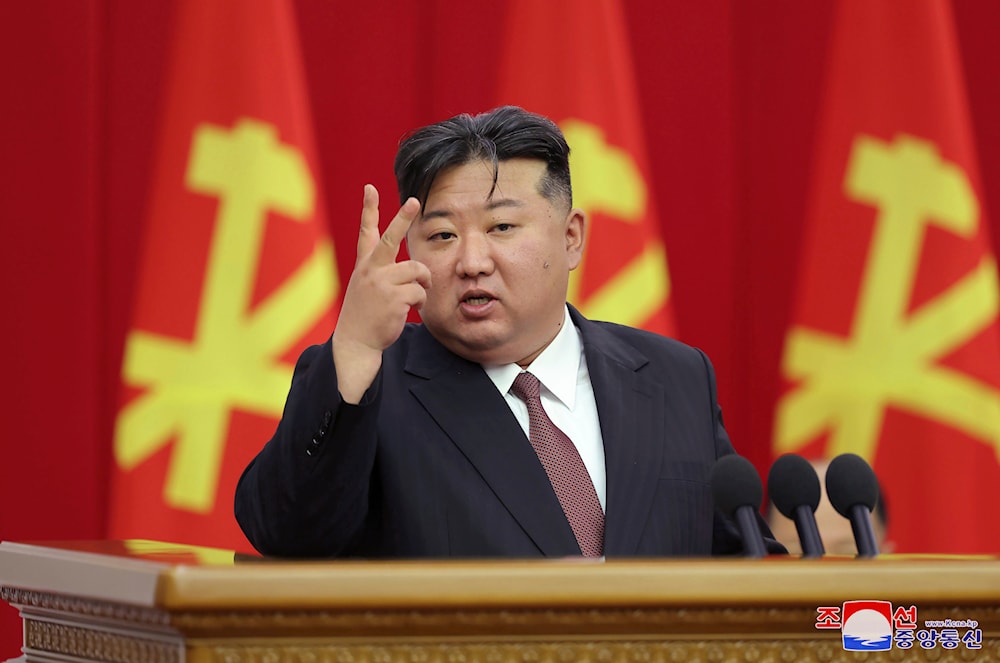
499 265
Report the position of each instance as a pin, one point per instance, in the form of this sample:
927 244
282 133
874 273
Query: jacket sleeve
726 537
306 493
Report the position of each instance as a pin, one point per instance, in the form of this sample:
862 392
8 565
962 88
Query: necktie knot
526 387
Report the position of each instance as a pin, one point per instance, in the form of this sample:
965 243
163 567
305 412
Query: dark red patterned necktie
570 479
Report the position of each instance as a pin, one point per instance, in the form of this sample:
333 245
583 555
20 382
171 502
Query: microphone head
791 483
735 483
851 481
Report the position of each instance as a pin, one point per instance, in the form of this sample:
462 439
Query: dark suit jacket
433 463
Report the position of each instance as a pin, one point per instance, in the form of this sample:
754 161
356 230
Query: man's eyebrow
435 214
491 205
504 202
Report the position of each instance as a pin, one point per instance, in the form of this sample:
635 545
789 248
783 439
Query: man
417 440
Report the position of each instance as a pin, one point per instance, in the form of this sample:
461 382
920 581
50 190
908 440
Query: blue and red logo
867 625
877 626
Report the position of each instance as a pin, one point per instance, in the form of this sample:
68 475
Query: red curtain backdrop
236 276
893 352
729 95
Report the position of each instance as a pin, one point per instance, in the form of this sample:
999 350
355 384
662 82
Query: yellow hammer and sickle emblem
607 180
890 357
233 362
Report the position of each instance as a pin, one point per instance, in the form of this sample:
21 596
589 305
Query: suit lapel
632 425
491 440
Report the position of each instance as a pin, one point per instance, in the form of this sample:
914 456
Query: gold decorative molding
27 599
607 621
795 622
89 644
632 651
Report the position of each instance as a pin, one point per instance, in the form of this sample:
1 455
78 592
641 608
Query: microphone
853 491
737 490
794 488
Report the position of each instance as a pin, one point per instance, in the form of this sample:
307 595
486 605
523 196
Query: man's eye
441 236
503 227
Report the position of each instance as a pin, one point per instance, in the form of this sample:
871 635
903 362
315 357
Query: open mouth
478 300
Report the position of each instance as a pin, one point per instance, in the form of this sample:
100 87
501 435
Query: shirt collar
556 367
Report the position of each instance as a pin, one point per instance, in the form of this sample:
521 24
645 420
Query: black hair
503 133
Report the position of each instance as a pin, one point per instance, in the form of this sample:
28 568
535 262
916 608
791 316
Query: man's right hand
378 297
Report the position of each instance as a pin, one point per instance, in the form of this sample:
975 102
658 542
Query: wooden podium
136 601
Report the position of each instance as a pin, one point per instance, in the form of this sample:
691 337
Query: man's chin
480 348
491 353
480 351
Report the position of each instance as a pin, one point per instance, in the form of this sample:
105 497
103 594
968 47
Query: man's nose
475 256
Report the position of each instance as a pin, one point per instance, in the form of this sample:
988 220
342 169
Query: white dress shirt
567 397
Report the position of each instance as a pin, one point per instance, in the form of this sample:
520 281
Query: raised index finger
368 234
388 246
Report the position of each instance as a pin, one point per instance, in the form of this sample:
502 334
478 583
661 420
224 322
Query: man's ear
576 236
